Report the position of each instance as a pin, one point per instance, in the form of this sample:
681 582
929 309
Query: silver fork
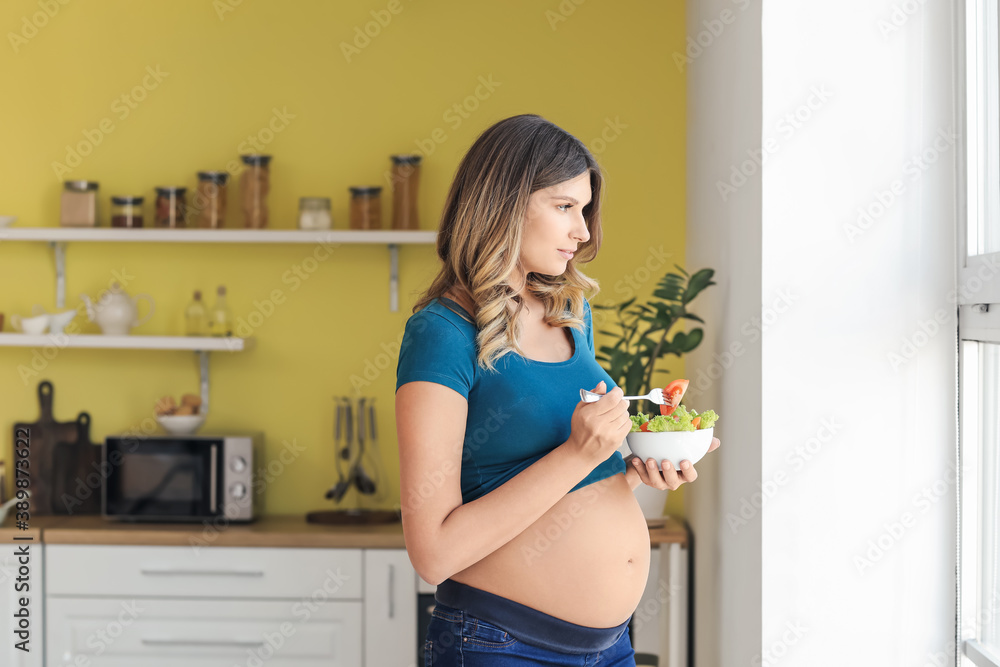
656 396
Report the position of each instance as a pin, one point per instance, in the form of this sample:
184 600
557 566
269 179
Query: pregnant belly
585 561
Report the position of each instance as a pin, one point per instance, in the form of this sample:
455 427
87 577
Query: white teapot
116 312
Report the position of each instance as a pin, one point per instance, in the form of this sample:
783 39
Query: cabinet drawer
222 572
140 632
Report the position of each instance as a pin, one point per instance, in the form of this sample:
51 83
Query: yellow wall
225 67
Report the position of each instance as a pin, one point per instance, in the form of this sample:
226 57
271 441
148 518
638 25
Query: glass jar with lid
314 213
366 207
405 181
126 211
255 183
171 207
78 205
210 199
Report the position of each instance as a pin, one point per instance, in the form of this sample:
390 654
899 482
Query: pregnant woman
516 503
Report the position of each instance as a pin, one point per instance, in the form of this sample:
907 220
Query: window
978 300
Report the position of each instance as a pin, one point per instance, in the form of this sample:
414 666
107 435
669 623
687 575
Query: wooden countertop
269 531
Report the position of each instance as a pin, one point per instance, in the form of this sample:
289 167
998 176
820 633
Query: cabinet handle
392 592
242 643
213 490
200 573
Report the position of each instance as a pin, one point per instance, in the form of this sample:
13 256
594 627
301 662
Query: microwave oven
182 478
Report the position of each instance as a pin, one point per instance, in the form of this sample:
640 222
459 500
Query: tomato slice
673 392
695 422
644 427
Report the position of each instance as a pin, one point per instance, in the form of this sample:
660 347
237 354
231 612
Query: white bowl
675 446
7 220
180 424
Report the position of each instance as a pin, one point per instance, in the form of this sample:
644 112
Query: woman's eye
564 207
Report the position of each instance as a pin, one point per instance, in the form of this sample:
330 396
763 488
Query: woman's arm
442 535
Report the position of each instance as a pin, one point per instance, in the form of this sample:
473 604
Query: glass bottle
221 318
78 205
126 211
405 181
196 317
314 213
255 183
210 199
171 207
366 207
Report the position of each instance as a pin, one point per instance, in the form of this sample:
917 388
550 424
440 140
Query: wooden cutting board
41 437
76 478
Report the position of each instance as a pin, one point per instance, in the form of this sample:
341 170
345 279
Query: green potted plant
644 333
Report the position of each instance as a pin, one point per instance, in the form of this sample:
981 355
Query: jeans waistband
526 624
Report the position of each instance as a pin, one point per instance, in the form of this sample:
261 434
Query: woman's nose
580 229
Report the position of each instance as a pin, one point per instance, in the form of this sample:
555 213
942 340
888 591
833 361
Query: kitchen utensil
116 312
656 396
341 425
675 446
59 321
181 424
360 477
73 465
30 325
41 437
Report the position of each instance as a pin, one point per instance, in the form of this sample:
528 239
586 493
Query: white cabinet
156 632
10 596
390 608
118 606
660 622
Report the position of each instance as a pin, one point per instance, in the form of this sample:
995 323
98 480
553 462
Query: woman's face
554 226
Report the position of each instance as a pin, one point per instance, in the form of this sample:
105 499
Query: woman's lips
566 254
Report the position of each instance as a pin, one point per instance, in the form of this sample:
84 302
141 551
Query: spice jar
314 213
405 180
255 183
171 207
78 207
366 207
210 199
126 211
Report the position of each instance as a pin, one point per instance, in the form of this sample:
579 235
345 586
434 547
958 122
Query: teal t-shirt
517 413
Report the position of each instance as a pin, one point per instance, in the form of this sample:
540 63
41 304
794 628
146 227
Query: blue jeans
455 638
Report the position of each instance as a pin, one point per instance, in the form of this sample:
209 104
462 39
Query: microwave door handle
213 485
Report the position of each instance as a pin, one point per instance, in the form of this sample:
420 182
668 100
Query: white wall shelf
201 345
58 237
129 342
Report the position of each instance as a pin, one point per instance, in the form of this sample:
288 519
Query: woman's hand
668 479
598 429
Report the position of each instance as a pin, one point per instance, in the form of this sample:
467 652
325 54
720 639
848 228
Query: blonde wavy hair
479 240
